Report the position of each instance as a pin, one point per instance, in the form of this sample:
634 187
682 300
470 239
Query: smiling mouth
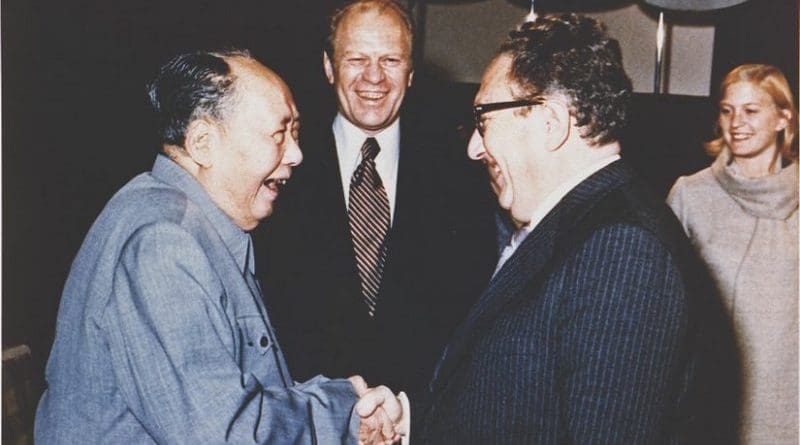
371 95
275 184
494 175
740 136
492 168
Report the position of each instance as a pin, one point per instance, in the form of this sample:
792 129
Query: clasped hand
381 413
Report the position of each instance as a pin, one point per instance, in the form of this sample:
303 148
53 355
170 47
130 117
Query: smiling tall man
162 335
387 235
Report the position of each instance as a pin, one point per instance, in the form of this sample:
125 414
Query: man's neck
563 176
580 156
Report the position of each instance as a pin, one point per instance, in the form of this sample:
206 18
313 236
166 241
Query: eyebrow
354 53
744 104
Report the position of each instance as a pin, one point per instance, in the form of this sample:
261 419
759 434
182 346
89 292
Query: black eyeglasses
481 109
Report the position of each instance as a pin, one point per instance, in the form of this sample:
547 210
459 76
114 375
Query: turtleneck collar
773 197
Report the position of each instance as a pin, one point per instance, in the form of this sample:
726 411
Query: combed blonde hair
772 81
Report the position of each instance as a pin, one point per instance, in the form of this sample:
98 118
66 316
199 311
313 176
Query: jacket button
264 341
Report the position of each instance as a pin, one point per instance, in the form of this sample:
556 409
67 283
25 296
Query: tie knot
370 148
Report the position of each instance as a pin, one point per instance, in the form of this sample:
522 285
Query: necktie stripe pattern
368 214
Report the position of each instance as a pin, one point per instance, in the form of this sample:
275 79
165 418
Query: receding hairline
250 67
244 70
378 7
241 64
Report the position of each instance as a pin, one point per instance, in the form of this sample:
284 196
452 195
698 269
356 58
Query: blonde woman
741 215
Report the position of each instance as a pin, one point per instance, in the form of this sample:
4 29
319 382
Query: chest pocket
257 352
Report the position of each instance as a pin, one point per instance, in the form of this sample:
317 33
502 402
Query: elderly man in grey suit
162 335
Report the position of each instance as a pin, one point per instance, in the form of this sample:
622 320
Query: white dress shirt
349 140
549 203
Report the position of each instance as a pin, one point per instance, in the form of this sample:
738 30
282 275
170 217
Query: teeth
371 95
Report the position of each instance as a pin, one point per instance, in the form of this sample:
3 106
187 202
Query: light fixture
531 17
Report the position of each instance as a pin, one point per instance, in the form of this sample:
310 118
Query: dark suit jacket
442 250
590 333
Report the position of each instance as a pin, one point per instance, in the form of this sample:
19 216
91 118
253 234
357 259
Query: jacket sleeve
175 361
623 324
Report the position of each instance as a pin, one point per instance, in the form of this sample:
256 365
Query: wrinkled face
372 68
750 121
505 147
256 145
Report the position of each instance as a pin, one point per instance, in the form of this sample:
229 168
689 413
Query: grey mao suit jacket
162 336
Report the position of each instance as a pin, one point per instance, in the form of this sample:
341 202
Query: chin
263 213
372 118
373 125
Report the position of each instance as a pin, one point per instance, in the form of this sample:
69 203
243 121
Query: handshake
384 420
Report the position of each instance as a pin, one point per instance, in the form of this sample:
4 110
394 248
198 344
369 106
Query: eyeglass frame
479 110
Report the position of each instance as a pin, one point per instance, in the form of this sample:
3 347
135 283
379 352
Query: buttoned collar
235 239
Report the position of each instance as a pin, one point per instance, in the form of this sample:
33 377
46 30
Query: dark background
76 126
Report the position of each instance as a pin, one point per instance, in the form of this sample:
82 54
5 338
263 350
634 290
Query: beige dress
746 231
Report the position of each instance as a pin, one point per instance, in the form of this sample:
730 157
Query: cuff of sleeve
404 426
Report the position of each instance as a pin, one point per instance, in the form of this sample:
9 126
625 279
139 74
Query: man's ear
410 78
558 124
201 136
327 63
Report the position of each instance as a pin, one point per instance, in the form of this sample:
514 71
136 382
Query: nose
475 148
373 72
736 118
293 156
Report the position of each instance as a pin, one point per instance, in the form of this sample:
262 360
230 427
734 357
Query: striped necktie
368 213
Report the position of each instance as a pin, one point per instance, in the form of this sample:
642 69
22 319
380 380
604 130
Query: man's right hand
381 414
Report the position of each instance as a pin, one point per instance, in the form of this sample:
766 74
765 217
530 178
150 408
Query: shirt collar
350 138
235 239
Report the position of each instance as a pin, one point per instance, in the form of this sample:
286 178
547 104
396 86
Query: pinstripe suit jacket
588 333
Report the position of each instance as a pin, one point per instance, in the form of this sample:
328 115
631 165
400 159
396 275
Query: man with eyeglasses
375 292
589 331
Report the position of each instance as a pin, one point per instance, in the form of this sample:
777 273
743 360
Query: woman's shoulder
700 179
695 185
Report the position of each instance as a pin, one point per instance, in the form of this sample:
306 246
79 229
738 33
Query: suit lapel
407 222
320 201
326 199
329 194
333 210
519 272
411 184
529 264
